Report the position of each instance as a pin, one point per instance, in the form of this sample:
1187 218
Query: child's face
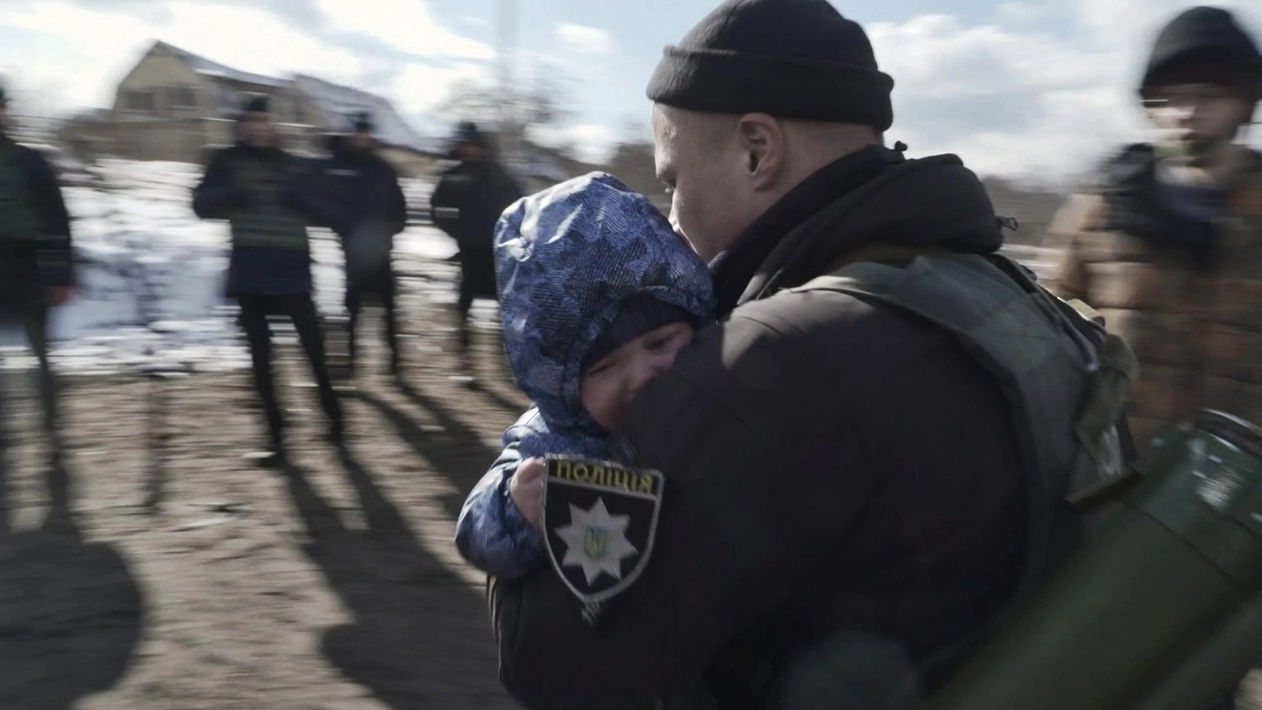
609 385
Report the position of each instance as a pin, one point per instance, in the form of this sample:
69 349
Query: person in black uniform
258 188
359 194
467 203
36 261
840 473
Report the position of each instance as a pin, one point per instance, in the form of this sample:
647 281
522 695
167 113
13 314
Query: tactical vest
20 219
1062 374
265 220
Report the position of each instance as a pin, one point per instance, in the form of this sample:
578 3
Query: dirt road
188 579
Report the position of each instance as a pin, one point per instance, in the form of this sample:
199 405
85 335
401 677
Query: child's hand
526 489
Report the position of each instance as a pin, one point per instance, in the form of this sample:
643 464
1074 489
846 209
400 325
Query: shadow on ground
71 612
420 638
456 450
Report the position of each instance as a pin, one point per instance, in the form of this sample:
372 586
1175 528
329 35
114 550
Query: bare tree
632 162
543 105
34 115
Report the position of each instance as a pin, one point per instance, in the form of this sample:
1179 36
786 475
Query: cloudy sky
1023 89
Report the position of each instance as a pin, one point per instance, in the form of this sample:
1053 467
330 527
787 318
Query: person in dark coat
1172 220
359 194
830 463
1176 218
257 187
36 259
467 203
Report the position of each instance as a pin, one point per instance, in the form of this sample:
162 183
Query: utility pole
507 44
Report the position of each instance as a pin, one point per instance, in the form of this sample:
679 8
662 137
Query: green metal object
1160 610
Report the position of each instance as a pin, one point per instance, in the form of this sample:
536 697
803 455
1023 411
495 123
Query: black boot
56 448
337 434
396 364
274 456
278 459
465 339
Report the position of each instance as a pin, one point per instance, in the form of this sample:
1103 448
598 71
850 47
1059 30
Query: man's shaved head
725 170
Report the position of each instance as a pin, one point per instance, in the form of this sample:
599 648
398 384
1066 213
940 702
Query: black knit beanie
363 122
638 315
1204 44
468 132
788 58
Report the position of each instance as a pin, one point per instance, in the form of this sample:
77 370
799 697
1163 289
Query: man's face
361 139
700 161
1194 120
258 130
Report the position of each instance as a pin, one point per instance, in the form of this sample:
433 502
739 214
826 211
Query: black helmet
468 132
1204 44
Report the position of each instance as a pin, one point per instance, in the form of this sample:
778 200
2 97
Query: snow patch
151 275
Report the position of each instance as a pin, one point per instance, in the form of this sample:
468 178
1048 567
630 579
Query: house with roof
174 104
333 108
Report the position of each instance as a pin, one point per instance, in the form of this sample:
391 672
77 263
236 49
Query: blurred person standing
1168 245
36 260
258 188
467 203
359 195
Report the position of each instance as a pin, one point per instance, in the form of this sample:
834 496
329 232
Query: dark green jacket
35 244
262 193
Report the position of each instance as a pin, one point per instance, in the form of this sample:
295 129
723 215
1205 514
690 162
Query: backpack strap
1063 375
1101 427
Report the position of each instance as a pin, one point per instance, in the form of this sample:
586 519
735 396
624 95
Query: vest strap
1062 374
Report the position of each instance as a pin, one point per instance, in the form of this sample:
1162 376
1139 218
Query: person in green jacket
264 193
36 260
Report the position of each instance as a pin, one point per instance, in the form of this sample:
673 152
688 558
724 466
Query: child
597 295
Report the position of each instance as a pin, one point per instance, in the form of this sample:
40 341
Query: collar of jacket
260 152
873 195
359 157
1135 205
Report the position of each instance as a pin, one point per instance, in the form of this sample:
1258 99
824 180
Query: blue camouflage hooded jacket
567 258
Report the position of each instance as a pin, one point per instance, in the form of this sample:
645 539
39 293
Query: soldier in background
467 203
1168 246
36 260
258 188
359 196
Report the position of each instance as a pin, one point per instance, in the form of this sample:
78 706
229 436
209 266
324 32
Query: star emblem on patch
600 520
596 541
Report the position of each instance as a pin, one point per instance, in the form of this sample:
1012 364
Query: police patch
600 519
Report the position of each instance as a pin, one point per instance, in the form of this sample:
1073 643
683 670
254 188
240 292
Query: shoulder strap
923 281
997 317
1064 377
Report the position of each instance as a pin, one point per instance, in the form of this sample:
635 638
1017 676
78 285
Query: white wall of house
161 85
166 109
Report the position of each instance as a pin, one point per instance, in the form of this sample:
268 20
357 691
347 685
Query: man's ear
763 147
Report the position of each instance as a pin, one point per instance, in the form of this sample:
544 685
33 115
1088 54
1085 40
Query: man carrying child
830 460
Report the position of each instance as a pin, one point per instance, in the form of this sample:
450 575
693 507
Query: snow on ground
151 275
